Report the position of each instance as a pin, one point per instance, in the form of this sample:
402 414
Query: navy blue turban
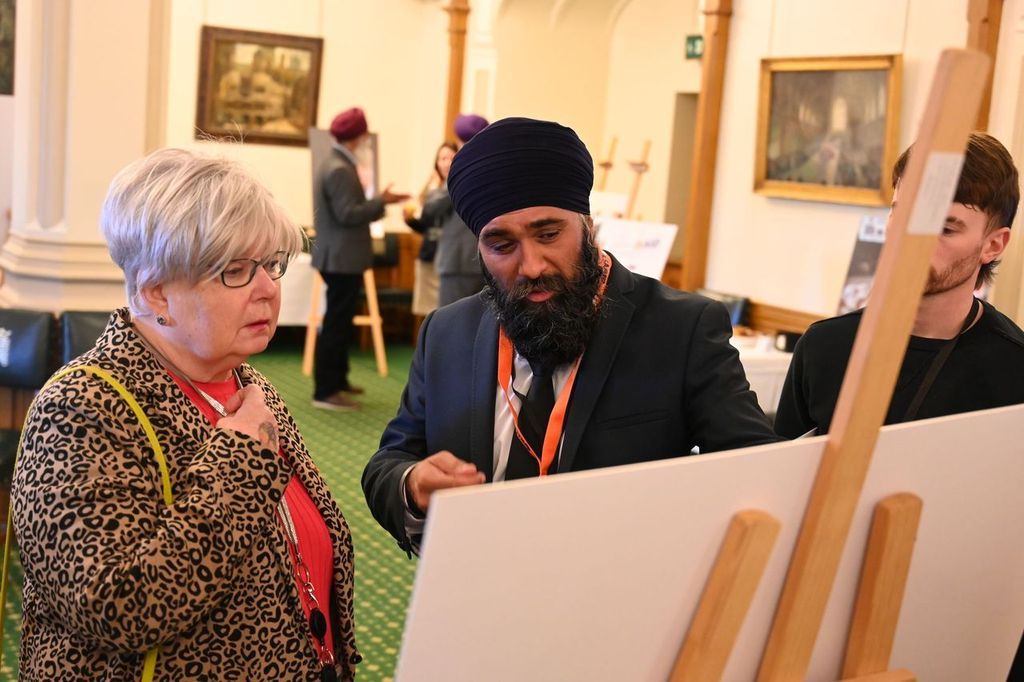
517 163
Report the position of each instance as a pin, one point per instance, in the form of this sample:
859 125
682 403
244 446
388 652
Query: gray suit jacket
342 215
457 249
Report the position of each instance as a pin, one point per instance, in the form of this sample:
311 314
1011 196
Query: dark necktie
533 423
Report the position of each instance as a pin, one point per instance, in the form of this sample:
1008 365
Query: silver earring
161 320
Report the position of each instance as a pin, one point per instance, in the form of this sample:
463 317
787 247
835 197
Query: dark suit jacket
658 378
342 215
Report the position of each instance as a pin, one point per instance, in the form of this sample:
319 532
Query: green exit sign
694 46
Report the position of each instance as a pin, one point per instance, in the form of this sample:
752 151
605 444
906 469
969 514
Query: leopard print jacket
111 570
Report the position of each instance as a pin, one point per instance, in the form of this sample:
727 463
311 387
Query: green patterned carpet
340 444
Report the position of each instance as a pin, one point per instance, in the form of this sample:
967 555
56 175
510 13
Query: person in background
457 261
643 372
963 354
205 578
342 250
428 224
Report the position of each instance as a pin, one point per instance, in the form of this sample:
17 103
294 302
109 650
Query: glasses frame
280 256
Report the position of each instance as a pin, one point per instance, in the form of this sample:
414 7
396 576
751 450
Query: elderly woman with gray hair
171 522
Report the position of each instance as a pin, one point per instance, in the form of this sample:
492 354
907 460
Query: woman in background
242 567
428 224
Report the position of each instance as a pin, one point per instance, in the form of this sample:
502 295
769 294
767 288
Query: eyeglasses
239 272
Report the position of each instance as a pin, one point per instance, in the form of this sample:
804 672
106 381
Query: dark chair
79 331
738 306
26 362
25 348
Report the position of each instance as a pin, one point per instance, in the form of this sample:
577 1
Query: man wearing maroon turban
342 250
566 360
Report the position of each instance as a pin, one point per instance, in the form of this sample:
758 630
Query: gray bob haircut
180 215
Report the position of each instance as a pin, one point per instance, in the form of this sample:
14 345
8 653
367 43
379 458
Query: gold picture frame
260 87
828 128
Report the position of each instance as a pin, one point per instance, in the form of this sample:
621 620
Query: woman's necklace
211 401
317 620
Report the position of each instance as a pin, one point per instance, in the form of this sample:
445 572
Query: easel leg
882 583
312 323
376 324
900 675
723 606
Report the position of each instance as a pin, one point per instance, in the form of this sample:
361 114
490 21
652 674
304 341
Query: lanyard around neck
553 434
937 363
556 422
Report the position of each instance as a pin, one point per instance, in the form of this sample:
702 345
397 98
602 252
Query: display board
641 247
863 263
595 575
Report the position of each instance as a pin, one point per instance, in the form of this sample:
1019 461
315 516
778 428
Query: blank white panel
596 575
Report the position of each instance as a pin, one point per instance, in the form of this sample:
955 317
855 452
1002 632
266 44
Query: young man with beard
963 354
566 361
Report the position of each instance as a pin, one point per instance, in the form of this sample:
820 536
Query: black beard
555 331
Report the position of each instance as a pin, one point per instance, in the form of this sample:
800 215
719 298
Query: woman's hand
248 413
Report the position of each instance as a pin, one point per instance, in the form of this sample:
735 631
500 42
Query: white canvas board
595 575
641 247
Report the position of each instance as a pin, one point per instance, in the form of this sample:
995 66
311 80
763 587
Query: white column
82 111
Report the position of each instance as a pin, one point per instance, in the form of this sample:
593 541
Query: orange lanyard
557 418
556 421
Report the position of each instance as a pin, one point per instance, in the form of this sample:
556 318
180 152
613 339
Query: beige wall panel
788 253
647 69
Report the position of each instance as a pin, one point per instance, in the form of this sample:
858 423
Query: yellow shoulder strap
149 665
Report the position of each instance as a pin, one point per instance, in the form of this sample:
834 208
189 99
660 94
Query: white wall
1006 122
647 68
795 253
388 56
552 63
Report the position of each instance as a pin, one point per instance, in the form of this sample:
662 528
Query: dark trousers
330 372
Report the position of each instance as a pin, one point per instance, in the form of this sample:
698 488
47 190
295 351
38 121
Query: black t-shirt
985 369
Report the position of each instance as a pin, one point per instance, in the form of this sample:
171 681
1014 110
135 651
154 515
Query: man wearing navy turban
566 360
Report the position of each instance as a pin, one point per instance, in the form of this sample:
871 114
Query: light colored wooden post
883 579
606 165
900 675
875 361
372 320
727 596
697 229
316 294
983 20
458 11
639 167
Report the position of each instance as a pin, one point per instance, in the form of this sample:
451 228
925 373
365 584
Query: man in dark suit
566 361
342 250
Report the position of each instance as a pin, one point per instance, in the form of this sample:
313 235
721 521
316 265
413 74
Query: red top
314 540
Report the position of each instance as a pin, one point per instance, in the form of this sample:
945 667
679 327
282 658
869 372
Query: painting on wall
827 128
257 87
7 47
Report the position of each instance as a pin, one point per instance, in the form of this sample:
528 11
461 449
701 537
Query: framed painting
827 129
7 14
258 87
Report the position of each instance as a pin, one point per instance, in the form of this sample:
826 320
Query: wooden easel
639 168
860 412
606 165
371 320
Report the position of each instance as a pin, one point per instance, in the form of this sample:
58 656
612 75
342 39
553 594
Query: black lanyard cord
937 364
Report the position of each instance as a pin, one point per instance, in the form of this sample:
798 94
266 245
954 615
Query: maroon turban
349 124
